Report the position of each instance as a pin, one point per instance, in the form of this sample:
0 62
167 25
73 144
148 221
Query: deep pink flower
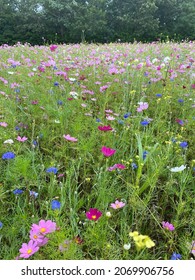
115 166
29 249
105 128
93 214
193 86
44 227
53 48
108 151
69 138
117 204
21 139
168 226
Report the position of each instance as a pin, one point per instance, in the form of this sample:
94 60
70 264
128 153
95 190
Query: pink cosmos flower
117 204
44 227
142 106
4 124
110 118
29 249
115 166
193 86
168 226
69 138
105 128
21 139
53 48
36 236
108 151
93 214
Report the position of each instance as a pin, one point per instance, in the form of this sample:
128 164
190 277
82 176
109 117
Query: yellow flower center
35 236
29 251
43 230
94 217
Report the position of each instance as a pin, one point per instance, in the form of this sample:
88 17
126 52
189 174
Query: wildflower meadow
97 151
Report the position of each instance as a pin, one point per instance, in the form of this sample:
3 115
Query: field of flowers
97 152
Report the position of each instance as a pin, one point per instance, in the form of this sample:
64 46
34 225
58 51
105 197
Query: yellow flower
141 241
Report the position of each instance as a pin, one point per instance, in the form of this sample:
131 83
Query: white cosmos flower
8 141
11 73
127 246
178 169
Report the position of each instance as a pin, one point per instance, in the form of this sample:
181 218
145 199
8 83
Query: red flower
108 151
93 214
105 128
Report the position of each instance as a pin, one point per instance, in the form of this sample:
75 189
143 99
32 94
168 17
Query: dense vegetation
97 151
49 21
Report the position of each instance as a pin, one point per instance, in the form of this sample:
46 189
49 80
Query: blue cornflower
52 170
55 204
133 165
120 122
17 128
144 123
180 100
98 120
16 90
34 143
173 140
17 191
183 144
56 84
126 115
158 95
144 155
8 155
55 68
60 102
1 224
175 256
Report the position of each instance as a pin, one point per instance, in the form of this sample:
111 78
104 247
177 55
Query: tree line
98 21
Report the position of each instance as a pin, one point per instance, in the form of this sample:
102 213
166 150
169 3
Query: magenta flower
193 86
117 204
168 226
116 166
93 214
69 138
108 151
53 48
44 227
105 128
21 139
29 249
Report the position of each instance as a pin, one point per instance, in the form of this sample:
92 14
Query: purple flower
1 224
